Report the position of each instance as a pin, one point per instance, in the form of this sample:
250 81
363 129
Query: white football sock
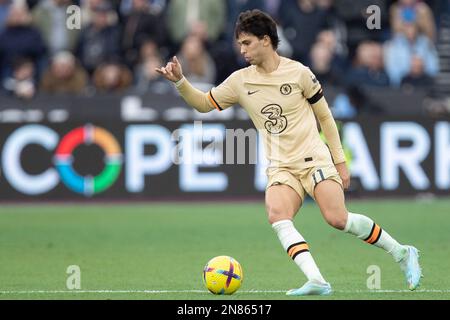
297 249
365 229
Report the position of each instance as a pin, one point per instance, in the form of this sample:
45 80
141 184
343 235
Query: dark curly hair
259 24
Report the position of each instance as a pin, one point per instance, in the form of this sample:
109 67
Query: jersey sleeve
226 94
311 87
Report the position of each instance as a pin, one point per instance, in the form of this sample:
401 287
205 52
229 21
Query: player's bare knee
335 219
277 213
275 218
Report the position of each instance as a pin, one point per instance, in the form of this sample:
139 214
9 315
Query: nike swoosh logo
252 92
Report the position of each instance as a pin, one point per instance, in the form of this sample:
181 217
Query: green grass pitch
158 250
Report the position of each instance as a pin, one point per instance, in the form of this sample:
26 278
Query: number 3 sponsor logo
277 123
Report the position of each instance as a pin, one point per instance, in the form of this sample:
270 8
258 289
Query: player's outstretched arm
194 97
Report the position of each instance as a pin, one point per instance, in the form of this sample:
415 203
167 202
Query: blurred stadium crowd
120 42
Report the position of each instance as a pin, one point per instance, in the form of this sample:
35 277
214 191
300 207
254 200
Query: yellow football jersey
280 105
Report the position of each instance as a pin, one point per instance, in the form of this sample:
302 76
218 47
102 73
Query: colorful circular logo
88 185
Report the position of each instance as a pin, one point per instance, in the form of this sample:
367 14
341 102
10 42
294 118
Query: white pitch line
18 292
395 291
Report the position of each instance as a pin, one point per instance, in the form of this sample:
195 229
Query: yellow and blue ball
222 275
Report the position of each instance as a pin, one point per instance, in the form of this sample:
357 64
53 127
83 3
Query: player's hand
344 174
172 71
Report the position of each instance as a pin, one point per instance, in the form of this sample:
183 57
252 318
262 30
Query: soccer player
283 99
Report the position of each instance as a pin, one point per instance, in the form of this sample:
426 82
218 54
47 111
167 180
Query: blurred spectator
100 40
325 60
149 48
20 39
336 30
233 9
31 3
227 60
329 38
198 66
147 79
22 83
356 16
417 76
64 76
270 6
50 17
368 67
284 47
4 10
416 12
88 12
400 50
112 77
301 20
205 18
156 7
321 64
140 25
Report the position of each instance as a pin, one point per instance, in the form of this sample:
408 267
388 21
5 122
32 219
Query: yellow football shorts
305 180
